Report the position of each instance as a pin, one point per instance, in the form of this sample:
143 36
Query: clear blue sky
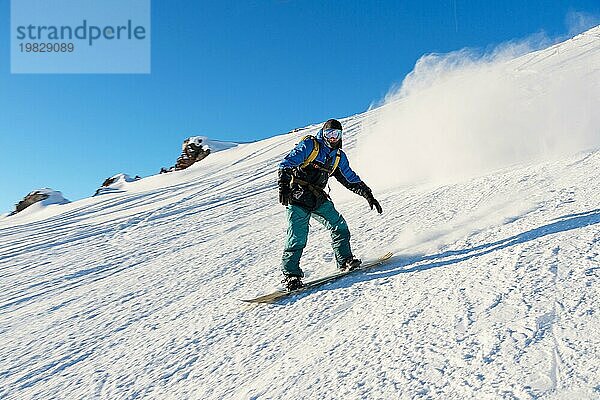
235 70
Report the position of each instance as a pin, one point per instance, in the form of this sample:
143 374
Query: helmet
332 133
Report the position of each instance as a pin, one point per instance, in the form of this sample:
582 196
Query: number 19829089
47 47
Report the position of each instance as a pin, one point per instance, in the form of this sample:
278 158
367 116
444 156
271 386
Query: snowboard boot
350 264
292 282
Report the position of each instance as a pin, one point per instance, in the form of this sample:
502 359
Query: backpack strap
314 153
336 162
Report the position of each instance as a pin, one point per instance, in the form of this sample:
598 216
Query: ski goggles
332 135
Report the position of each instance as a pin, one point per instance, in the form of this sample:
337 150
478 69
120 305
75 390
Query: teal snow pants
297 235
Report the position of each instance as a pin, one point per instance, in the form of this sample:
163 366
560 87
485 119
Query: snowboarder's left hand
374 203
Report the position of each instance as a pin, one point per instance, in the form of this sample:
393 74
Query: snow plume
495 211
464 114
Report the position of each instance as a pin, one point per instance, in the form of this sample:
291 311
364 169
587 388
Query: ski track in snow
492 292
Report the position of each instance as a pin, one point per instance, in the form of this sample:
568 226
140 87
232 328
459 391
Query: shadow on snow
398 265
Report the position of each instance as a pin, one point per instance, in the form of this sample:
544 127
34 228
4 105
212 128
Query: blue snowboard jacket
308 183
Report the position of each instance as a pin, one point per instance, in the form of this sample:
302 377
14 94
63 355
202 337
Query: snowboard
281 294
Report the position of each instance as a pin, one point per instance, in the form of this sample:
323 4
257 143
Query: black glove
373 202
284 195
285 177
363 190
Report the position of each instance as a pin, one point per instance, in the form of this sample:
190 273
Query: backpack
315 152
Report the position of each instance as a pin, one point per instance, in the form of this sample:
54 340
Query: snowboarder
303 176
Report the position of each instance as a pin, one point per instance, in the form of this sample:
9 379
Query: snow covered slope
493 292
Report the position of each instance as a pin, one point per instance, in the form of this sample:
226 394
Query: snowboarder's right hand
285 177
284 195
